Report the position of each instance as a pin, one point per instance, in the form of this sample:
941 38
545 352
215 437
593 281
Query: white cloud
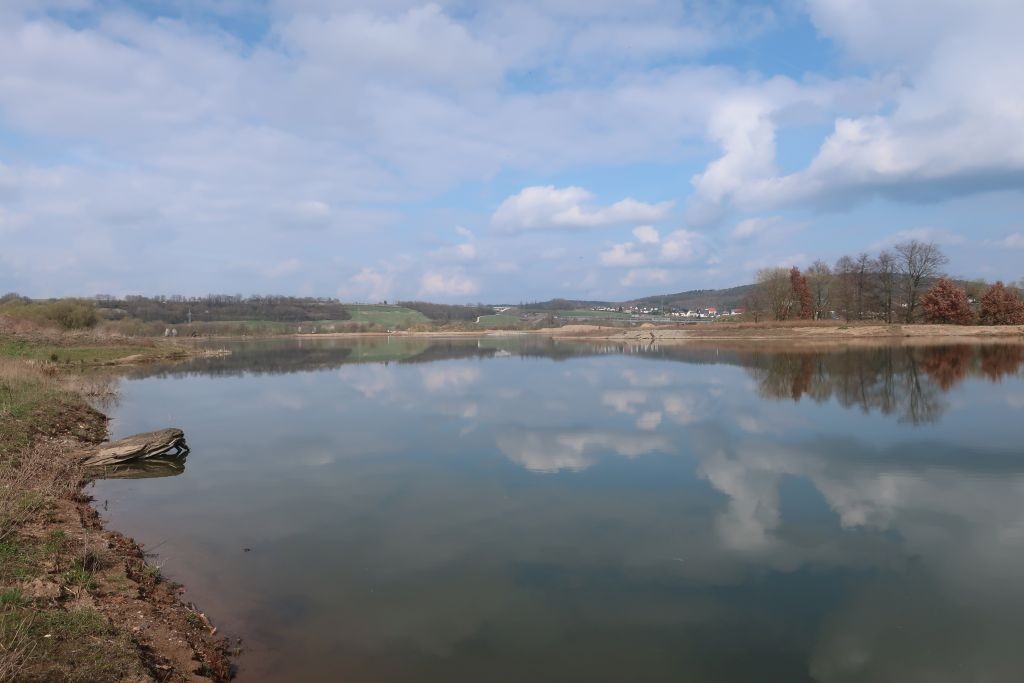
954 69
455 253
420 45
646 234
356 118
369 284
622 255
682 246
752 227
1014 240
551 208
646 276
679 246
447 284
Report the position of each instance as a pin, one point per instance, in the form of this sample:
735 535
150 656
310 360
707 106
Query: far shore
648 332
807 332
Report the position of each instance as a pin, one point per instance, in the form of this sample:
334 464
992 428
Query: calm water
524 510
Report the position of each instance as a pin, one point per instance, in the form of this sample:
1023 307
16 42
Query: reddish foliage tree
1001 306
801 293
946 302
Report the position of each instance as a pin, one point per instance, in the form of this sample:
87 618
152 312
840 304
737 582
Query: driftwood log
148 445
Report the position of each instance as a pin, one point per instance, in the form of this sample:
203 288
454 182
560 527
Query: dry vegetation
77 602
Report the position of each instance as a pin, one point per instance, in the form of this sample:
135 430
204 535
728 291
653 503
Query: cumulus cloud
447 284
678 247
369 284
371 121
624 254
646 234
550 208
956 65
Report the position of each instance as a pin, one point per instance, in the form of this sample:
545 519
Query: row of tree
905 285
218 308
448 312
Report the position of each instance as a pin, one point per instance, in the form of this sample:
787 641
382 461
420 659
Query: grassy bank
77 602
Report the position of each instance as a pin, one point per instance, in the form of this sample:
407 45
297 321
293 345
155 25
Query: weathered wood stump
148 445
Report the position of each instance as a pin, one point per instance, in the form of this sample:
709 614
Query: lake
526 509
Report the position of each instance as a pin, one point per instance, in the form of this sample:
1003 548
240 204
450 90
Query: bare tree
886 272
844 290
754 302
819 278
861 283
918 262
775 291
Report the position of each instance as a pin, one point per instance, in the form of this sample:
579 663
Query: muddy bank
79 602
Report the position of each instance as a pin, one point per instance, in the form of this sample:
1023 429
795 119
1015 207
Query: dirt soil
174 640
105 612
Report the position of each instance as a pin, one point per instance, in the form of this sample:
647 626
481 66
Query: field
386 316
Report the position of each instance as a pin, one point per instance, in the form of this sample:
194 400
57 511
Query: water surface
528 510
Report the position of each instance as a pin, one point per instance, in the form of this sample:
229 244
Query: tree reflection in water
894 380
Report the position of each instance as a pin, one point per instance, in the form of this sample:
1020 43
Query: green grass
13 348
387 316
67 645
27 399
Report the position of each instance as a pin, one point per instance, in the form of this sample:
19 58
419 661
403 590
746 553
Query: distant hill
700 298
731 297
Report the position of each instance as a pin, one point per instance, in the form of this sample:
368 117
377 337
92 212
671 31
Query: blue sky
501 152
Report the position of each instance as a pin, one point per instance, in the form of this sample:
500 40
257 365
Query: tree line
448 312
906 284
221 307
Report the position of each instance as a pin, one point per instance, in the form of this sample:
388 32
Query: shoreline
107 612
682 332
809 333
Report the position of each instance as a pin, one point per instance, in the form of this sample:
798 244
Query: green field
387 316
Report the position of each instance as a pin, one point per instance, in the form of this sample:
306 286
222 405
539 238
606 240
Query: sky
501 152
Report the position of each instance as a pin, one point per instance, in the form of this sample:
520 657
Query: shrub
1000 305
946 302
71 314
